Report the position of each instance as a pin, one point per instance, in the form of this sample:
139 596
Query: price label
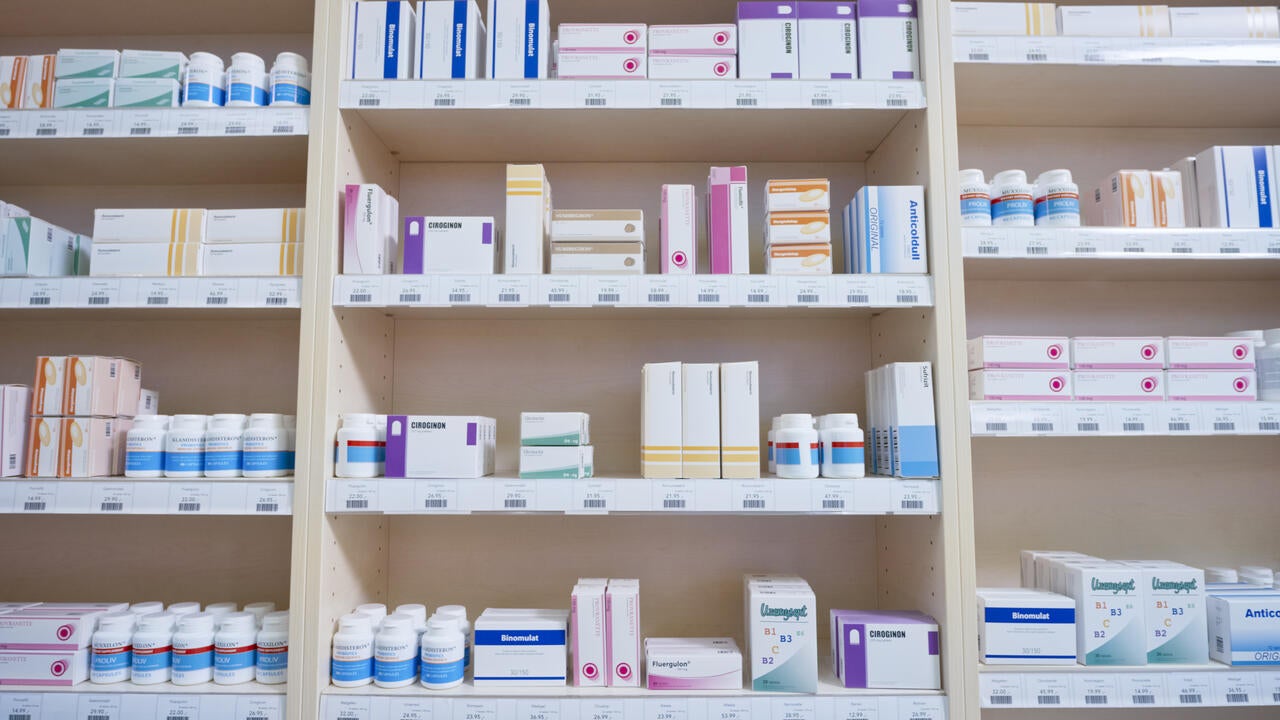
908 291
1223 419
1134 419
268 499
794 709
1086 243
673 495
820 94
986 242
445 95
349 708
1269 688
357 496
857 708
410 709
111 498
94 123
1093 52
436 496
1262 418
14 706
710 290
370 95
561 290
1047 691
38 293
1035 50
537 710
141 123
1190 689
515 495
753 495
367 291
1232 245
1179 418
914 496
461 290
1036 243
1235 688
521 94
658 291
100 293
922 708
832 496
159 293
594 496
99 707
1268 243
475 710
218 293
670 94
747 94
728 709
975 50
666 710
596 95
857 290
1041 419
1149 52
11 124
897 97
408 289
611 291
759 290
285 122
278 293
1087 419
1142 691
51 124
235 123
179 707
37 497
1096 690
510 290
1002 691
988 418
249 707
602 710
190 498
1186 243
188 123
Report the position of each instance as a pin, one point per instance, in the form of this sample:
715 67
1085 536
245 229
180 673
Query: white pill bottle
796 448
235 649
224 446
259 610
395 652
144 447
290 81
1057 200
975 199
351 663
112 654
247 81
843 447
205 81
443 655
193 649
266 446
184 446
273 649
1012 202
361 447
458 614
153 649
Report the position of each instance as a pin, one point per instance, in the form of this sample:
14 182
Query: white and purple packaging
622 632
1117 353
1113 385
888 40
828 40
1018 384
587 630
440 446
596 65
674 664
888 650
678 230
767 40
692 67
15 401
368 225
727 221
1023 352
716 39
1211 385
450 245
1209 353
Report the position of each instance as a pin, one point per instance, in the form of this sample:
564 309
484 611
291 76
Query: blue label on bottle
1010 207
466 655
197 91
1058 206
351 670
223 460
185 661
140 460
268 460
112 660
285 92
273 660
792 456
393 670
365 453
438 673
844 455
184 462
246 92
975 206
232 659
151 661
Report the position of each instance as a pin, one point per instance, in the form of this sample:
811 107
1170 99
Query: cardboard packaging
92 386
587 633
13 79
520 649
519 46
888 40
129 391
73 63
1211 385
622 613
382 41
701 420
251 260
692 666
147 259
913 431
49 668
782 609
1242 628
87 92
1113 385
727 221
1117 353
450 245
49 386
692 67
257 225
597 258
138 225
785 196
1186 168
740 420
440 446
661 416
1209 353
581 65
597 225
812 259
679 230
528 219
551 429
891 229
1237 187
1114 20
1110 626
572 463
1224 22
1016 384
153 64
31 247
451 40
798 228
38 88
148 402
1169 198
713 39
15 403
1017 351
147 92
1124 200
1176 617
1025 628
48 627
1001 18
888 650
828 40
767 40
70 447
368 226
603 37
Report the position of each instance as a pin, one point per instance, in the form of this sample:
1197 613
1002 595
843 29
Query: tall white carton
519 42
828 40
767 40
701 419
365 248
587 631
1110 624
15 403
1186 167
528 218
1174 606
661 434
775 611
1237 187
622 610
451 40
888 40
913 432
382 40
740 420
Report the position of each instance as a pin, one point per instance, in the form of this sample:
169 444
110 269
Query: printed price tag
35 497
218 293
141 123
515 495
611 291
1047 691
1149 52
1002 691
99 707
710 291
1269 688
1143 691
408 289
1231 245
1268 243
475 710
100 293
521 94
1189 689
594 496
1093 52
284 122
832 496
560 290
190 498
11 124
1132 419
47 124
666 709
1041 419
658 291
602 710
363 290
908 291
759 290
278 292
857 708
974 49
922 708
747 94
159 293
179 707
461 290
1186 243
235 123
537 710
820 94
445 95
1262 418
370 95
752 495
111 498
1179 418
915 496
38 293
436 496
989 418
352 708
14 706
595 94
410 709
1235 688
808 291
670 94
268 499
1096 691
986 242
1223 419
1087 419
673 495
357 496
1036 243
794 709
896 97
1035 50
1086 243
510 290
249 707
857 290
94 123
188 123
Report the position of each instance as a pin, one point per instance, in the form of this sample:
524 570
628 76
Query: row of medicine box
1000 18
700 420
1114 385
1110 353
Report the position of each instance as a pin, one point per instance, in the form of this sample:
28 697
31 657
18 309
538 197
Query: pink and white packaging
728 235
370 231
129 393
48 628
1015 351
679 230
92 386
1203 385
693 666
1117 353
717 39
14 402
59 668
622 639
692 67
992 384
1209 353
573 65
587 626
1112 385
603 37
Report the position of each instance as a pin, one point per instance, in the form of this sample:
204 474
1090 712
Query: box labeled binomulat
382 40
713 39
451 40
1202 385
1018 626
1117 353
440 446
519 44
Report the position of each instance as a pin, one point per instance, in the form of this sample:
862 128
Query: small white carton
1118 385
92 386
1224 22
889 650
147 92
1003 18
622 612
798 228
1124 200
584 65
603 37
597 225
607 257
157 64
587 635
700 446
1209 353
75 63
1018 351
572 462
1169 198
888 40
13 78
1025 628
1114 20
451 40
828 40
912 442
148 402
1174 606
382 40
440 446
1244 629
366 218
740 420
692 67
713 39
891 229
1018 384
1117 353
450 245
1211 385
34 248
255 225
678 230
798 259
46 627
691 665
129 259
251 259
86 92
15 403
797 195
1186 168
145 225
661 434
543 429
528 220
520 649
38 89
1237 187
768 40
1110 625
519 46
56 668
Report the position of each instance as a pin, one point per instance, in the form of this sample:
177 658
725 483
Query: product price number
445 95
1268 688
711 291
1190 690
752 496
236 123
728 709
515 496
10 125
1095 691
114 498
561 290
90 123
285 122
188 123
611 291
671 95
347 709
48 124
475 710
918 708
371 95
36 497
853 708
511 291
363 291
759 291
1001 691
821 95
409 709
1236 689
268 499
1047 691
788 709
594 496
856 291
219 293
99 707
833 496
521 95
190 499
21 707
408 289
142 124
603 710
666 710
673 496
747 94
462 291
596 95
102 293
42 293
159 293
278 293
537 710
358 496
1143 691
809 291
182 707
658 291
437 496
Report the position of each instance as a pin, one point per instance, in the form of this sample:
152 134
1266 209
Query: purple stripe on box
397 427
933 642
886 8
414 241
855 656
826 10
780 76
766 10
471 434
486 234
903 75
841 76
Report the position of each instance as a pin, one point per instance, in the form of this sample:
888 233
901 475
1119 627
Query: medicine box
49 668
812 259
13 73
913 432
797 195
1017 351
801 228
141 225
450 245
34 248
1174 607
86 92
1110 624
367 225
519 45
768 40
146 259
582 65
1114 20
1237 186
129 392
1209 353
1169 197
528 217
712 39
661 415
38 90
91 386
1003 18
1029 628
828 33
564 462
678 230
382 40
888 40
15 403
1124 200
701 413
603 37
440 446
1186 168
75 63
256 225
251 259
597 257
1244 629
148 402
692 67
891 229
692 666
587 633
888 650
152 64
622 612
451 40
1018 384
1211 385
728 233
740 420
147 92
543 429
597 225
49 386
1224 22
70 447
520 649
1113 385
775 610
1117 353
46 627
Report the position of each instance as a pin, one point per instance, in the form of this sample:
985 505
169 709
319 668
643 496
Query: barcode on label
444 102
1144 699
361 297
520 102
753 504
1179 427
1224 426
1048 700
1041 427
1093 57
1134 427
188 507
43 132
436 503
908 298
833 504
172 716
97 716
1086 250
1182 250
1095 699
91 132
912 504
267 507
671 102
1037 57
1153 60
99 300
508 297
140 131
4 132
997 427
357 504
1087 427
746 102
1229 250
510 503
757 297
112 506
217 300
277 300
29 505
369 102
235 130
1237 697
608 297
593 504
982 57
896 102
1190 698
1133 249
1275 697
673 504
563 297
595 102
282 129
803 298
858 298
659 297
19 716
189 130
988 249
459 297
1037 250
708 297
820 102
1265 426
1001 699
40 300
157 299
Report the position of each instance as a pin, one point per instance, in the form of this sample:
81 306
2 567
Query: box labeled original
1211 385
581 65
137 225
691 666
519 46
773 611
1124 200
520 650
1209 353
797 195
450 245
701 412
528 216
382 40
92 385
15 404
146 92
889 650
678 230
1224 22
1117 353
888 40
1243 629
451 40
728 233
692 67
568 462
1000 18
131 259
622 612
13 78
740 420
153 64
597 225
1016 351
251 259
34 248
798 259
597 258
256 225
549 429
713 39
440 446
74 63
1237 186
661 414
1113 385
603 37
798 228
1110 626
49 668
1114 20
767 40
828 40
1017 384
1174 605
587 632
1026 629
891 229
1169 197
368 225
84 93
38 89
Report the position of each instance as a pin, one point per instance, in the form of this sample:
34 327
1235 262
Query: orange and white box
1169 199
42 447
71 447
91 387
13 74
798 228
1124 200
37 85
47 390
798 260
797 195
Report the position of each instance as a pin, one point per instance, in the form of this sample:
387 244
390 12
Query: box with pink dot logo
1121 385
1117 353
1209 353
1028 353
1017 384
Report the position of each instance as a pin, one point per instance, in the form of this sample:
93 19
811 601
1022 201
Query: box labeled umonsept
251 259
1224 22
891 229
450 245
773 611
1209 353
740 420
86 92
1237 187
451 40
75 63
587 635
546 429
255 225
1117 353
565 462
1018 351
1114 20
519 45
1019 384
661 414
1110 625
520 649
1025 628
828 40
701 441
15 403
889 650
888 40
678 230
1174 606
34 248
528 219
156 64
768 40
146 92
622 612
1003 18
728 234
145 225
382 40
440 446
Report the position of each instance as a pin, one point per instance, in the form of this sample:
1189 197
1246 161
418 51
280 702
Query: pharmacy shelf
127 496
1118 51
150 294
153 147
1103 688
1083 419
633 120
404 293
604 495
126 701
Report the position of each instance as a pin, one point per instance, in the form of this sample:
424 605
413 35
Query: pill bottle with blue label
153 649
112 652
266 447
247 81
796 448
235 649
273 648
259 610
144 447
1011 200
290 81
193 649
184 447
362 447
224 446
351 663
843 447
395 652
975 199
458 614
1057 200
204 83
443 650
417 613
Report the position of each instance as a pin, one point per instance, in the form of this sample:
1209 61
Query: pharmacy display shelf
126 701
1096 688
150 294
1120 419
141 124
602 495
655 292
633 121
129 496
1118 51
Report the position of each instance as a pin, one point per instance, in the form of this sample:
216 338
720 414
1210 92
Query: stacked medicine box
700 420
597 242
195 241
610 51
902 430
555 445
604 628
81 408
872 39
48 644
798 227
31 247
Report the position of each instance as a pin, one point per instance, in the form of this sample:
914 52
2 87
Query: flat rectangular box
1168 195
913 433
1243 629
888 40
728 235
1110 625
520 650
49 386
891 229
549 429
711 39
367 224
129 394
678 229
140 225
38 93
603 37
1017 384
587 65
13 79
572 462
597 225
382 40
740 420
828 40
148 402
1026 629
1117 353
88 92
701 420
587 635
147 92
1211 385
1186 168
814 259
15 403
1209 353
146 259
719 642
1018 351
1003 18
797 195
1124 200
768 40
1237 187
48 628
153 64
47 668
255 225
451 40
528 220
450 245
31 247
693 67
440 446
1114 20
798 228
74 63
91 386
692 666
1224 22
78 447
251 260
1174 606
1113 385
519 45
661 414
622 612
889 650
773 611
597 258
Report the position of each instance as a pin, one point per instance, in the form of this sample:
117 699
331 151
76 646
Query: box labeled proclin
587 634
